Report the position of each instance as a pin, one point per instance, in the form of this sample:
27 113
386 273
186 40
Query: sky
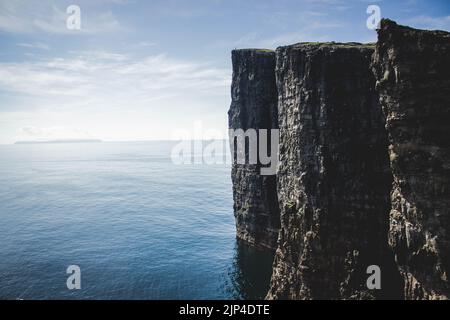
154 69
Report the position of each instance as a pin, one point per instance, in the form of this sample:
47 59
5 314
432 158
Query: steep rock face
254 106
413 72
333 178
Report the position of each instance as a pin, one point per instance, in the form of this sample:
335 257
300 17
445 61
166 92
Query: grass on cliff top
315 44
256 50
335 44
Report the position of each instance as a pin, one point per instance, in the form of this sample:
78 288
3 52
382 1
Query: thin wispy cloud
55 133
47 16
314 31
112 96
109 75
35 45
427 22
140 69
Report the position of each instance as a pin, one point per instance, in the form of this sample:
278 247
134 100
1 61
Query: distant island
60 141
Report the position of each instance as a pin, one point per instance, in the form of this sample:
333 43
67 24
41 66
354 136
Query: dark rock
351 194
334 178
254 106
413 72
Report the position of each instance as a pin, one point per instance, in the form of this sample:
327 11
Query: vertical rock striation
254 106
413 72
333 178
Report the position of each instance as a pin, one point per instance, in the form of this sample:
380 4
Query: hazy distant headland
60 141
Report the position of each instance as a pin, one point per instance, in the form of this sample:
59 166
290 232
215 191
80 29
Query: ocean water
138 226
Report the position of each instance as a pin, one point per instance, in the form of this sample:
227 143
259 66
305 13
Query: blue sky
143 70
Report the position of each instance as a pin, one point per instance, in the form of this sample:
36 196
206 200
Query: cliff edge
333 177
254 106
363 179
412 68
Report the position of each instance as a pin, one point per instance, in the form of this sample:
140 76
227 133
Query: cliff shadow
250 272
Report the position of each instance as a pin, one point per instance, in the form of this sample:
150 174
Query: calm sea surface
139 226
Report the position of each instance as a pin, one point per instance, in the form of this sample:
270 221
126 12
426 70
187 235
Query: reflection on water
250 273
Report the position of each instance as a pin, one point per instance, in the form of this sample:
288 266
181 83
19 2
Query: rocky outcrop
333 177
254 106
364 164
413 72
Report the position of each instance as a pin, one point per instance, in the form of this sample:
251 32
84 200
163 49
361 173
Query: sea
138 225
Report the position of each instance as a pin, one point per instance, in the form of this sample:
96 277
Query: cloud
326 2
50 133
49 16
427 22
35 45
146 44
32 131
291 38
313 31
110 95
114 77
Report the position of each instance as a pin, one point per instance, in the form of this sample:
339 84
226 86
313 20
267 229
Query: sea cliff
364 169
